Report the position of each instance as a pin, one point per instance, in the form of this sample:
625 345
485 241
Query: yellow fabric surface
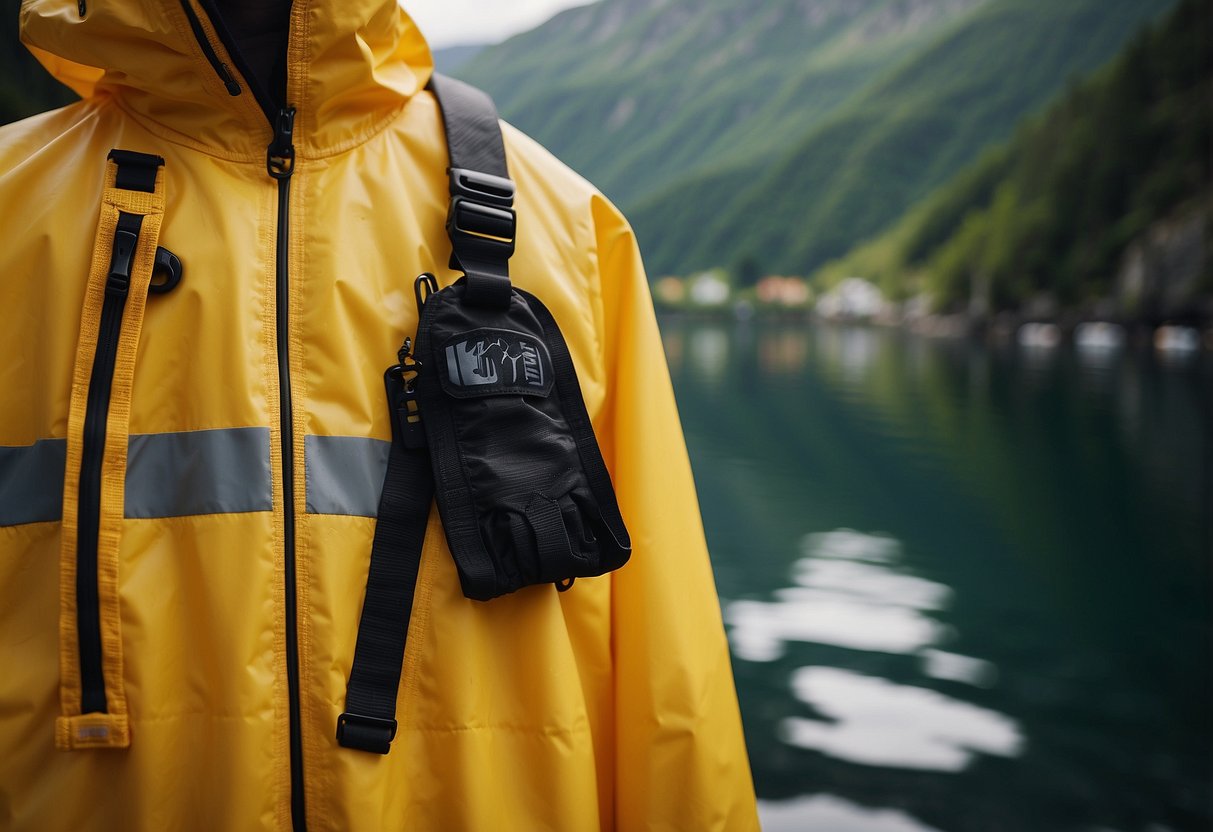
610 706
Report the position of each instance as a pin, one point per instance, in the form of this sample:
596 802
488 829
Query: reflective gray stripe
167 475
344 474
31 482
199 472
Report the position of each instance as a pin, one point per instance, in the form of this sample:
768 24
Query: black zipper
96 420
208 51
280 164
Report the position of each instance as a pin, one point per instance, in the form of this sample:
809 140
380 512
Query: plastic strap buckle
365 733
481 220
482 187
481 225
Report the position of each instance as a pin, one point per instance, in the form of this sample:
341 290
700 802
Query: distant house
709 289
852 299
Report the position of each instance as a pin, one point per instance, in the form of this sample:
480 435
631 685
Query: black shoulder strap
481 227
480 221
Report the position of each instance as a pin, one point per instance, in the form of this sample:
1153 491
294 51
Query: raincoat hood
351 65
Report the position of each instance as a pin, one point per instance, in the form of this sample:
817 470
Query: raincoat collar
351 66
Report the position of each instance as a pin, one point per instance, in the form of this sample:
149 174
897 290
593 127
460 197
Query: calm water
965 589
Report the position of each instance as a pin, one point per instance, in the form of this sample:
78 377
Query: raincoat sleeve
680 759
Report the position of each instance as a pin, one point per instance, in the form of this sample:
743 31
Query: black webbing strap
551 538
480 221
369 721
136 171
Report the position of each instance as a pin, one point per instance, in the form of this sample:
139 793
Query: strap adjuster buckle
366 733
488 229
481 220
482 187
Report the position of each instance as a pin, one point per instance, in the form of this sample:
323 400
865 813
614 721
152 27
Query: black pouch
519 480
488 400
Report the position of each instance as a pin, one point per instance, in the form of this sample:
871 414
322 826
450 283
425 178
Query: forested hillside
641 94
449 59
889 145
787 132
1054 210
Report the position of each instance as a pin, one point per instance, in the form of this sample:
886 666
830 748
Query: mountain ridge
634 94
1120 158
796 150
902 136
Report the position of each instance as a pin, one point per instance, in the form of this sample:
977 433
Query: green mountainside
888 145
641 94
1055 209
449 59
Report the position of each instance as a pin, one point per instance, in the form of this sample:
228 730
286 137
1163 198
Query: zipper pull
280 155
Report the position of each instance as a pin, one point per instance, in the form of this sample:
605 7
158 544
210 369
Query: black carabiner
427 282
166 272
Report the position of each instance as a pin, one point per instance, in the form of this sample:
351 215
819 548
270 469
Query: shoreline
1002 328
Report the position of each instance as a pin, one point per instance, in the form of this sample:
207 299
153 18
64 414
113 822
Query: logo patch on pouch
486 362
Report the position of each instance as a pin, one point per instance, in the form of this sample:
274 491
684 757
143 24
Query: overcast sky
451 22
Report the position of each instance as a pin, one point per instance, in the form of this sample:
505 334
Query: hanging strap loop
369 720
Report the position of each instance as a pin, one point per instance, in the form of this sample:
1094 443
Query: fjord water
965 587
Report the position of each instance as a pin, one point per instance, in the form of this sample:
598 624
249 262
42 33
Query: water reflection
832 814
876 722
783 352
852 349
709 352
953 667
852 591
849 593
1036 608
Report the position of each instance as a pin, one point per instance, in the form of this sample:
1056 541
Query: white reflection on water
957 668
851 348
848 593
851 545
826 812
708 353
877 722
851 591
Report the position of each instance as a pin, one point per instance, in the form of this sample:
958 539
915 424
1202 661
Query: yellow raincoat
243 449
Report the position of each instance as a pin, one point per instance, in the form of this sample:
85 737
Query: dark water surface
965 588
